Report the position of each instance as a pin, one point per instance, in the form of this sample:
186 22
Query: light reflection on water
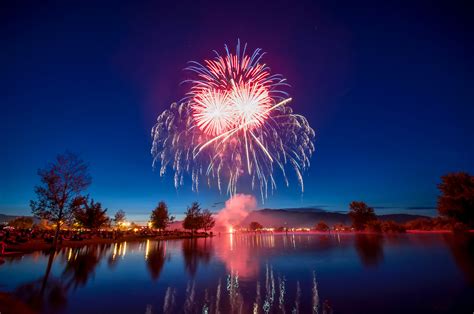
245 273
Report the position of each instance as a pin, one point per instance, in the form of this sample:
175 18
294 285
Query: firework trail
218 297
169 301
281 299
296 309
315 298
256 304
235 121
190 294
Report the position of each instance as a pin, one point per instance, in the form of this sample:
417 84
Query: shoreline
41 245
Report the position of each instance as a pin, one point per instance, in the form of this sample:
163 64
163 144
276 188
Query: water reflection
81 264
196 251
370 248
155 255
229 296
462 249
241 273
45 294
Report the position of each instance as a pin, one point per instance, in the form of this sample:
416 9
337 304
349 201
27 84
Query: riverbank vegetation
68 217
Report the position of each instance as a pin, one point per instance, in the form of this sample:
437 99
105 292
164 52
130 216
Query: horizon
390 119
144 219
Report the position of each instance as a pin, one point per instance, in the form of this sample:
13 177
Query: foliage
255 226
193 220
361 214
437 223
160 218
59 193
119 218
341 227
322 226
90 215
43 224
21 223
373 226
208 221
457 197
392 227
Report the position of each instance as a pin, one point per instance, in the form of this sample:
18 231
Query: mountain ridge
302 217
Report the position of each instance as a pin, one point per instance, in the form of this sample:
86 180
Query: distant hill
304 217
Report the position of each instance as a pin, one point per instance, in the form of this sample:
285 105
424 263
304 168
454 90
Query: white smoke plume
235 210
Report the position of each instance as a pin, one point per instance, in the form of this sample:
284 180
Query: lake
245 273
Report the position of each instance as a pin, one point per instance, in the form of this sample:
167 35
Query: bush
322 226
374 226
341 227
420 224
392 227
438 223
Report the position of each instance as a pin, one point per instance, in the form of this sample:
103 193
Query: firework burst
234 121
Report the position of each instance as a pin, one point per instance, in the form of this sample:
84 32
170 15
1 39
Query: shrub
322 226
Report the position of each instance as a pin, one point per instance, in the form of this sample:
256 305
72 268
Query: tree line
60 200
455 211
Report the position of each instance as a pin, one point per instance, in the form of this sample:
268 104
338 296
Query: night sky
388 87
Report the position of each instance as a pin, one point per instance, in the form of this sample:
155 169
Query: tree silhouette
208 221
21 223
322 226
361 214
457 197
58 195
193 220
119 218
255 226
160 218
90 215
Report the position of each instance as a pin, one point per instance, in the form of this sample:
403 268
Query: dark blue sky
387 85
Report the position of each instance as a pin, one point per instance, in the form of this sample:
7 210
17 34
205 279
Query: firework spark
235 121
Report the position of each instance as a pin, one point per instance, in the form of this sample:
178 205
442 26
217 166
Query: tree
208 221
43 224
160 218
254 226
21 223
361 214
59 193
119 218
90 215
457 197
374 226
392 227
322 226
193 219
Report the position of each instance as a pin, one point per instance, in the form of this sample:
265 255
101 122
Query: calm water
421 273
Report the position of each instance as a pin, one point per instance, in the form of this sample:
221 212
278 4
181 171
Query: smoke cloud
235 210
